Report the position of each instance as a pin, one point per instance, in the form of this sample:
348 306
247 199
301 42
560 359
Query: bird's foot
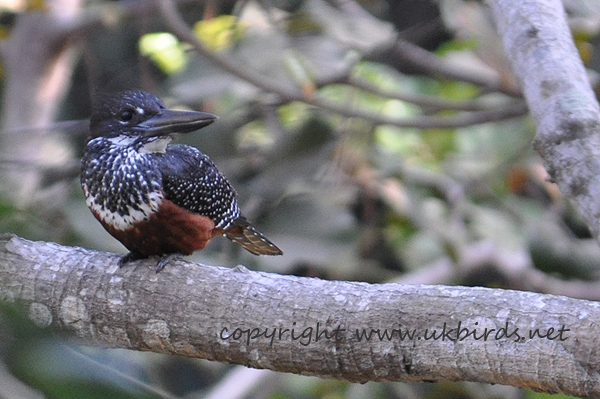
165 260
130 257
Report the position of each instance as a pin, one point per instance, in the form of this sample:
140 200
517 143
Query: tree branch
423 60
436 66
288 93
270 321
422 100
540 47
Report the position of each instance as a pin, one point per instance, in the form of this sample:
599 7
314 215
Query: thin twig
180 29
424 121
134 381
427 62
437 67
239 383
422 100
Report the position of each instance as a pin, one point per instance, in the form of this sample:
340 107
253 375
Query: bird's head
141 117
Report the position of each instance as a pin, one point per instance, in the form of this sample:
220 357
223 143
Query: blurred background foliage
390 143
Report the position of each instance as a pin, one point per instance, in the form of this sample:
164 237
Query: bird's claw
130 257
165 260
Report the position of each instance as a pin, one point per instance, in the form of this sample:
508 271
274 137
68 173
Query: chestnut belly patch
171 229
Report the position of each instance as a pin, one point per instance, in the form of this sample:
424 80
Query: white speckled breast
120 185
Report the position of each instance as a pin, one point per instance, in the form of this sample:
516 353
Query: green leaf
165 50
220 33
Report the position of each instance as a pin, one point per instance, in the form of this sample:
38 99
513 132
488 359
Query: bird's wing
192 181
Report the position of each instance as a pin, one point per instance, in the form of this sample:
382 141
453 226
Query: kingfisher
157 198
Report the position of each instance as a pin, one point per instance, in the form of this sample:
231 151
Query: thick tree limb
189 310
538 42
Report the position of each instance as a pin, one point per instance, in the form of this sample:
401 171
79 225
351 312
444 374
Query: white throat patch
156 146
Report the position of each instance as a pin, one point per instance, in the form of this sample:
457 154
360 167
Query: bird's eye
126 115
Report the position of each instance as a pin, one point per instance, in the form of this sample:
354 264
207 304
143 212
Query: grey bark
185 309
543 55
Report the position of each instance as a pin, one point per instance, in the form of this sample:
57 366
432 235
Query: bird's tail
244 234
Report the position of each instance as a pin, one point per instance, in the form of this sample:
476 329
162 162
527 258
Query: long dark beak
169 121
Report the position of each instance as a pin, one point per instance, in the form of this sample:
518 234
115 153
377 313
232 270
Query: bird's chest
122 187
